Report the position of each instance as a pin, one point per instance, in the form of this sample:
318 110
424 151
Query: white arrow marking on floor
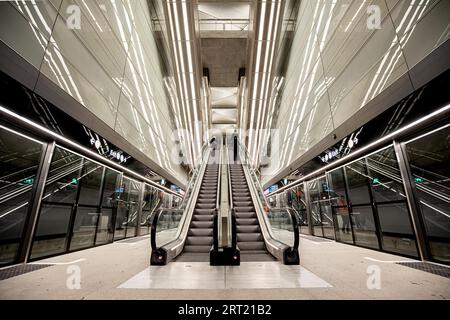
59 263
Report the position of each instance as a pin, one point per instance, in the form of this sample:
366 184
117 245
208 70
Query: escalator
195 233
187 233
249 237
200 235
263 233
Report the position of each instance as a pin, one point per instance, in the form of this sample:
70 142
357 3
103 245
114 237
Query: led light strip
87 151
386 138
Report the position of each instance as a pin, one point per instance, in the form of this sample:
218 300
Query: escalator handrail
295 224
154 223
174 247
216 230
231 214
275 247
233 230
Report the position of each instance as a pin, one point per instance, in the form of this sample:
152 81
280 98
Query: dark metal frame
416 219
35 202
51 140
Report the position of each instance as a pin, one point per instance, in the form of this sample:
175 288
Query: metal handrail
279 249
219 179
215 230
154 222
174 246
233 230
216 211
231 213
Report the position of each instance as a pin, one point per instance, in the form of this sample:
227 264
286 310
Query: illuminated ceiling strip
58 138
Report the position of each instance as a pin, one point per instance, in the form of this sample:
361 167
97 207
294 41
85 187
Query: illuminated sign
342 149
103 148
418 179
28 180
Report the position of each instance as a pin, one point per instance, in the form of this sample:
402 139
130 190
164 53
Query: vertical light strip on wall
262 72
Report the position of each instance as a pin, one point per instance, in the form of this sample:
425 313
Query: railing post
35 202
414 207
139 210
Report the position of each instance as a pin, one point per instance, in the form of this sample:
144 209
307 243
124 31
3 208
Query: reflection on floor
329 270
200 275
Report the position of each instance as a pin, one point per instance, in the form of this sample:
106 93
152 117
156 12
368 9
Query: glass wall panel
299 205
52 230
325 208
150 202
314 196
384 172
364 229
396 229
338 198
90 183
19 161
111 188
127 209
70 205
357 180
62 179
131 197
58 204
105 229
429 160
84 228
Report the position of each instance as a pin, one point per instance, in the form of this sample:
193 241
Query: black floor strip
316 239
15 271
134 239
428 267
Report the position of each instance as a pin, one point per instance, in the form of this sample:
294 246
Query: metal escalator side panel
273 246
173 248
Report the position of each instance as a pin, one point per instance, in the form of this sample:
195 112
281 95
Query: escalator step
191 248
251 245
249 237
202 224
245 209
245 215
205 206
201 232
238 199
204 211
248 229
206 201
202 217
246 221
238 203
199 241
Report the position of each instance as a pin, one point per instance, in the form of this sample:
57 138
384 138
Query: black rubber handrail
154 224
295 225
215 230
233 230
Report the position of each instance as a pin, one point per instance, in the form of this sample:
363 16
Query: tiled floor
200 275
328 270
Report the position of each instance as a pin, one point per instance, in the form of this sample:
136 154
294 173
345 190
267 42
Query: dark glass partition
19 162
429 160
